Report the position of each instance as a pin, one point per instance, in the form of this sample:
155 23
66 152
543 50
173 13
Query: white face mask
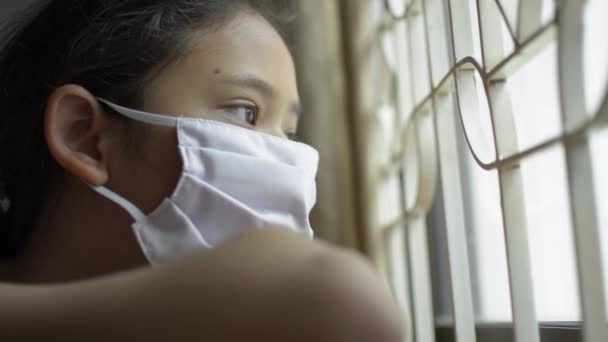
233 180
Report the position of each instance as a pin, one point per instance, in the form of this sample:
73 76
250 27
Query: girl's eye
248 114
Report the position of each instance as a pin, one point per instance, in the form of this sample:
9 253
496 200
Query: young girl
138 133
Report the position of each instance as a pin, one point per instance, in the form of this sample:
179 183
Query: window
489 121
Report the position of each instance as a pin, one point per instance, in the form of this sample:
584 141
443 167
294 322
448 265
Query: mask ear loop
149 118
137 214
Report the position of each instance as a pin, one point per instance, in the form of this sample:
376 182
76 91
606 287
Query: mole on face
217 71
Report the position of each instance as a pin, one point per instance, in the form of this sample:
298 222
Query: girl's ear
75 127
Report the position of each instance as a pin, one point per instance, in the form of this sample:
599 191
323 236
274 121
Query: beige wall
326 123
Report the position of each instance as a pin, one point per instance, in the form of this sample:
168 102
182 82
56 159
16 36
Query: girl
157 132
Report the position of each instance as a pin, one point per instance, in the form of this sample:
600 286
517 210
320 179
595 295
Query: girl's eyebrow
251 82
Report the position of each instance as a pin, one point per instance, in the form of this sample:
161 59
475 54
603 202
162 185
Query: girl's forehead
247 46
249 39
246 52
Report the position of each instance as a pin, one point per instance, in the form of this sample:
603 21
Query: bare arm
265 286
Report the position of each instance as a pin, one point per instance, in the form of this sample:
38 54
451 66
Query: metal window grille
449 121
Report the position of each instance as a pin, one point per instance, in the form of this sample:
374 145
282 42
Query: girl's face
242 74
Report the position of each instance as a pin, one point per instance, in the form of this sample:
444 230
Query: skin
242 291
85 261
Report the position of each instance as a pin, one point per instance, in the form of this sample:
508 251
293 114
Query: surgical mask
233 180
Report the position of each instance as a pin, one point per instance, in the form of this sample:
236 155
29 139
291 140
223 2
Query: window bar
489 18
418 185
405 238
529 18
436 33
405 94
421 81
421 279
508 23
579 171
510 178
418 238
514 217
460 19
458 259
403 104
462 46
399 273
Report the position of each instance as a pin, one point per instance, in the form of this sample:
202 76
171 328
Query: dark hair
113 48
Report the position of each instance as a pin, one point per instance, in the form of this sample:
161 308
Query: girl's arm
265 286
